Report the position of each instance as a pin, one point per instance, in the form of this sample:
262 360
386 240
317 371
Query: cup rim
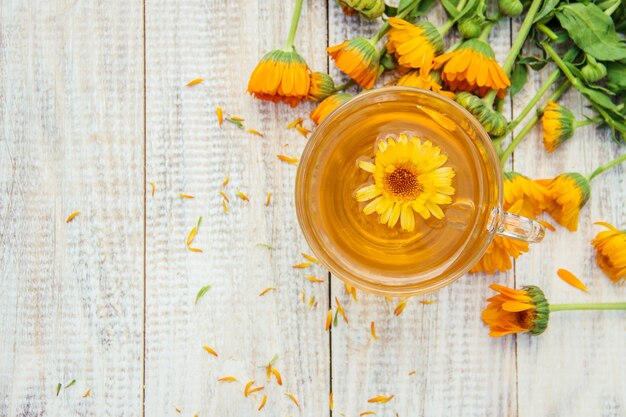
362 283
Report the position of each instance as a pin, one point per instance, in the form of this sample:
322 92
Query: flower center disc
402 183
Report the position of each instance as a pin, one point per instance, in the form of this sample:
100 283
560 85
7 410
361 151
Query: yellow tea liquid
359 242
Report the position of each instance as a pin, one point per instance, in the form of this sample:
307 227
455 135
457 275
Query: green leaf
616 76
424 7
450 6
599 98
58 388
265 245
592 30
72 382
390 11
546 11
519 76
534 62
201 293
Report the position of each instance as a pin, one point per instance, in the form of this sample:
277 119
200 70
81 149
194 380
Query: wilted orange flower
567 194
610 248
358 58
428 82
414 45
472 67
281 75
516 311
533 196
327 106
558 125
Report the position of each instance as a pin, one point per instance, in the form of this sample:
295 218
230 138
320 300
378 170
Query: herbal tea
379 243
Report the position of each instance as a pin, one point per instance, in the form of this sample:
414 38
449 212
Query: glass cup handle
520 228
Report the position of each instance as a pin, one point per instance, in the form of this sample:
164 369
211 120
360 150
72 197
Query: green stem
561 64
454 46
531 123
581 123
295 18
607 166
344 86
490 98
587 306
549 33
484 34
521 37
401 14
533 101
443 29
552 78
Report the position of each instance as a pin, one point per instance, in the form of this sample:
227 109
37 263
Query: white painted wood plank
459 371
71 138
188 152
576 368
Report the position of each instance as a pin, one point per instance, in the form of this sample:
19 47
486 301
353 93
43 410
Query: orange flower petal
569 278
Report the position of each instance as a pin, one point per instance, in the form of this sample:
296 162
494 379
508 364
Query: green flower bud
541 311
493 122
471 26
322 86
369 9
593 70
510 7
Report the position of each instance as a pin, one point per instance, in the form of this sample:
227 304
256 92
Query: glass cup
401 264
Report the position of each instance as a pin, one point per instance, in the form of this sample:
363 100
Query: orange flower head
414 45
610 248
522 196
322 86
328 105
516 311
558 125
529 195
281 75
567 194
359 59
427 82
472 67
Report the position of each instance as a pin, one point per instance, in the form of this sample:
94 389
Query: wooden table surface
94 106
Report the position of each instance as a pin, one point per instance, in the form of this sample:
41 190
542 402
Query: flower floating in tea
409 177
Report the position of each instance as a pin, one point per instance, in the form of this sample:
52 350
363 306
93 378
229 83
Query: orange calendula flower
358 58
409 177
281 75
427 82
567 194
472 67
498 255
328 105
516 311
521 190
558 125
322 86
610 248
521 196
414 45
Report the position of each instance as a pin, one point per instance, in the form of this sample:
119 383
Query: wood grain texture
71 295
577 367
188 152
459 371
71 138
